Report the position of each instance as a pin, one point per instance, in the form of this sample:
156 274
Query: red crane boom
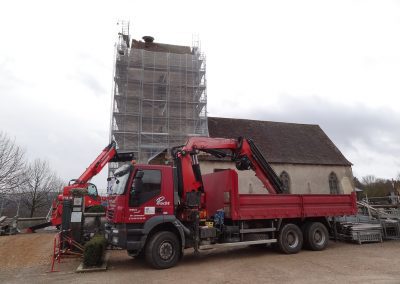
242 151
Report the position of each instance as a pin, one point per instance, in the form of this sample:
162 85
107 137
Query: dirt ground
25 250
340 263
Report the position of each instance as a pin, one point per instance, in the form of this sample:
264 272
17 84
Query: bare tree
369 180
12 164
396 183
40 182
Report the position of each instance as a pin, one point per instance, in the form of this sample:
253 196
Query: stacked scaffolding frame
159 97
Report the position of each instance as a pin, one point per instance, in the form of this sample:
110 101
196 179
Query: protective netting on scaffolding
159 97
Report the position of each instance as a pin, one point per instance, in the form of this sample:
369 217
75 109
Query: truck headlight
115 231
115 240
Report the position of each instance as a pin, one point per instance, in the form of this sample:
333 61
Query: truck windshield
121 176
92 190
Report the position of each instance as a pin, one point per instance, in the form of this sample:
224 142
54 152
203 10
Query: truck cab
142 197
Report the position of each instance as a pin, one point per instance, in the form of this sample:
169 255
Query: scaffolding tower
159 95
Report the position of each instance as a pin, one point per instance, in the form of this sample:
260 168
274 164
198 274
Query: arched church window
285 179
333 183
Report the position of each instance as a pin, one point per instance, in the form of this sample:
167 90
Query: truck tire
316 236
163 250
290 239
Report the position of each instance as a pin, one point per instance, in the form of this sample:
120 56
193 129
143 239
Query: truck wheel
163 250
290 239
316 236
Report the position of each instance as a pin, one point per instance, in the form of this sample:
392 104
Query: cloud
90 81
92 73
57 120
8 79
55 82
345 124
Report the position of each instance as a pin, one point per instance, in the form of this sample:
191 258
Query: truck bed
221 190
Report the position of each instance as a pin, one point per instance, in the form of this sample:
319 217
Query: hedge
79 192
94 251
96 209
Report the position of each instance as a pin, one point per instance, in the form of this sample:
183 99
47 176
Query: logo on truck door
161 201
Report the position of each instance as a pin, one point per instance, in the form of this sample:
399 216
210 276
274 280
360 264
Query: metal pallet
360 232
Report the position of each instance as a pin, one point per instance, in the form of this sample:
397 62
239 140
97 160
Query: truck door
145 189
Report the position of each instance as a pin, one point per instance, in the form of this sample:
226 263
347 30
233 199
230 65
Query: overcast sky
332 63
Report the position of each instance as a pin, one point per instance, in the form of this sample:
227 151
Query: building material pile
8 226
372 224
361 232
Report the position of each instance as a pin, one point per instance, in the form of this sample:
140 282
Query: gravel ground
340 263
25 250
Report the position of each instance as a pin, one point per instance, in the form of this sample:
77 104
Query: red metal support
64 245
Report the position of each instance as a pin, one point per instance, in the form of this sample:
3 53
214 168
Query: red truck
157 211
